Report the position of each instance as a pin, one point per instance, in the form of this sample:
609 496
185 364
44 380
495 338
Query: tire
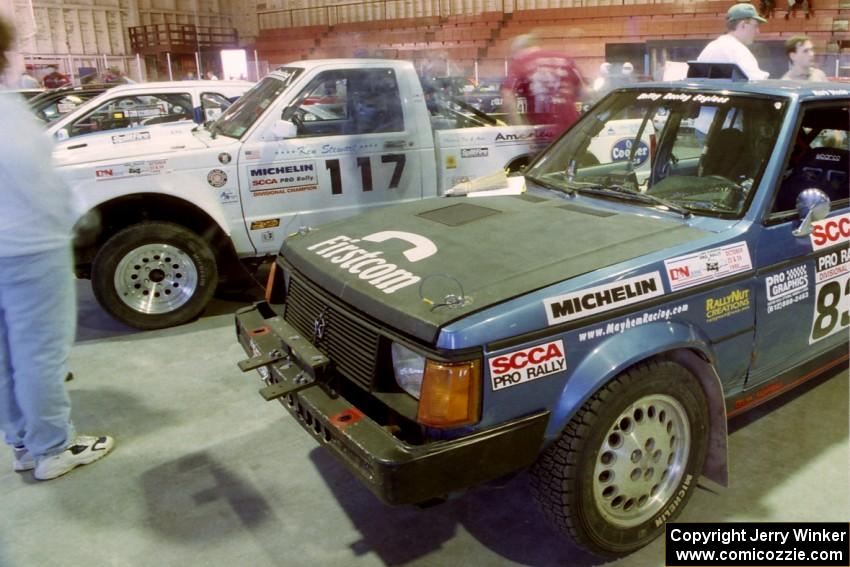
588 483
154 275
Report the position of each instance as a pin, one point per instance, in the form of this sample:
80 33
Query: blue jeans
38 312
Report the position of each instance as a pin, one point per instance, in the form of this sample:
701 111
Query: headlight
408 368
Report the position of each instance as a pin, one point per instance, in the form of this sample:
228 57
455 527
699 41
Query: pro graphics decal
599 299
831 231
786 288
525 365
832 295
707 265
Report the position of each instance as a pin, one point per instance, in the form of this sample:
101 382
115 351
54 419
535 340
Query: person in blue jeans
37 300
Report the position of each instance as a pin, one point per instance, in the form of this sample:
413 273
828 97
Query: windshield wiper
642 197
550 185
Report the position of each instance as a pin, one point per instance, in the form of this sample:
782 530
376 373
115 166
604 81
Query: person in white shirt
742 24
801 60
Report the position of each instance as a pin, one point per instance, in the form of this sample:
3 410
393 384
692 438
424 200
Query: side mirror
61 134
812 206
284 129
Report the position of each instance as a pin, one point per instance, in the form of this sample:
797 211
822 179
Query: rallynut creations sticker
707 265
590 301
832 295
732 303
518 367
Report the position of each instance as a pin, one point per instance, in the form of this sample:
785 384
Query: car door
803 283
353 150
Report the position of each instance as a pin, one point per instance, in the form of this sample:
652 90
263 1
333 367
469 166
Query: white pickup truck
314 141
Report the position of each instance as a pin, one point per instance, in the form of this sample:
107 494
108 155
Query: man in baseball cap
742 26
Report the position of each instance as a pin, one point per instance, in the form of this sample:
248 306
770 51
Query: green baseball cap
743 11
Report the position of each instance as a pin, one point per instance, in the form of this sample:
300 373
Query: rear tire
628 461
154 275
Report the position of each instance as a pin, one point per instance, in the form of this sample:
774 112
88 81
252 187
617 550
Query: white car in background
146 104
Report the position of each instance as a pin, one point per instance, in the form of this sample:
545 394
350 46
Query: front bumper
396 472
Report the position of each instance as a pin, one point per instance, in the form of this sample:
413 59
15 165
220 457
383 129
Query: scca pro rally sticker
525 365
599 299
832 294
707 265
831 231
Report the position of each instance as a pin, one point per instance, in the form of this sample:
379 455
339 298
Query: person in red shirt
549 81
55 79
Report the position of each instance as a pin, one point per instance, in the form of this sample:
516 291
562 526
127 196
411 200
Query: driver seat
728 155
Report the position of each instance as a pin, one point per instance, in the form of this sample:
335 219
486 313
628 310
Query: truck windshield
239 117
700 151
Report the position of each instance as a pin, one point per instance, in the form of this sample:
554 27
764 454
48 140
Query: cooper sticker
299 175
707 265
131 137
831 231
832 295
217 178
786 288
474 152
130 169
734 302
266 223
631 322
599 299
525 365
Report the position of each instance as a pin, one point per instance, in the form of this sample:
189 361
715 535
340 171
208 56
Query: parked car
598 329
55 103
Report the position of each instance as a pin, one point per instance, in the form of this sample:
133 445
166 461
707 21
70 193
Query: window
213 104
134 110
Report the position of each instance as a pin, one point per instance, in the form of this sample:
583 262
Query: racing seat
728 155
827 169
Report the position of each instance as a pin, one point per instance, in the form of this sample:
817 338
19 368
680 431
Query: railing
181 37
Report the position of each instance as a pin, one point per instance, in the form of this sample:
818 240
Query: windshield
238 118
702 152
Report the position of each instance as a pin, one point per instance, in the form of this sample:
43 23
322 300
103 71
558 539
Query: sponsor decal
217 178
542 135
65 107
831 231
252 154
131 137
707 265
734 302
682 97
621 150
280 179
228 197
599 299
631 322
474 152
525 365
266 223
786 288
267 236
832 295
130 169
828 92
368 265
224 158
451 162
146 111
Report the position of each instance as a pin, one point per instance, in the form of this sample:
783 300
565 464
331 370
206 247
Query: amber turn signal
451 394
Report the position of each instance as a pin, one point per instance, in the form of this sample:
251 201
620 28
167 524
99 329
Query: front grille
352 348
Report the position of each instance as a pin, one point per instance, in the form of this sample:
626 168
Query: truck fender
676 341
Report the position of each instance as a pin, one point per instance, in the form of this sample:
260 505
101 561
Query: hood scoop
457 215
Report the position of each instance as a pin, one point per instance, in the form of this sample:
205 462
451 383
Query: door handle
394 145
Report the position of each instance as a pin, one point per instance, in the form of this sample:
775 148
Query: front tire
154 275
628 461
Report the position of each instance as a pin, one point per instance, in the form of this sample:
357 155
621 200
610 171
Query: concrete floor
206 473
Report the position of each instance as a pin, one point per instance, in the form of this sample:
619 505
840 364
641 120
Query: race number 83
832 308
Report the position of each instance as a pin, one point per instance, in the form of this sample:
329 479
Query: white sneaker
82 451
22 461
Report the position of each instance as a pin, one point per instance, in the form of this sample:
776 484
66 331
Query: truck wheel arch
518 163
685 346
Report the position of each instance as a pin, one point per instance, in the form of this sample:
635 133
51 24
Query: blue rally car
599 328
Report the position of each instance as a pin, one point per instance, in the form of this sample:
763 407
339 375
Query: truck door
803 288
353 151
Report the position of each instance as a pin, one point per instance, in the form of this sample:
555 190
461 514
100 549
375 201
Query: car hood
127 143
419 266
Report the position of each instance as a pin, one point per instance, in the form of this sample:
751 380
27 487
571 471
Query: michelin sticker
832 295
599 299
786 288
389 278
525 365
707 265
281 179
831 231
131 137
732 303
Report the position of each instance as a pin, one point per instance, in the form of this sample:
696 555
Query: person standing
549 81
37 300
742 26
801 60
27 81
54 79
